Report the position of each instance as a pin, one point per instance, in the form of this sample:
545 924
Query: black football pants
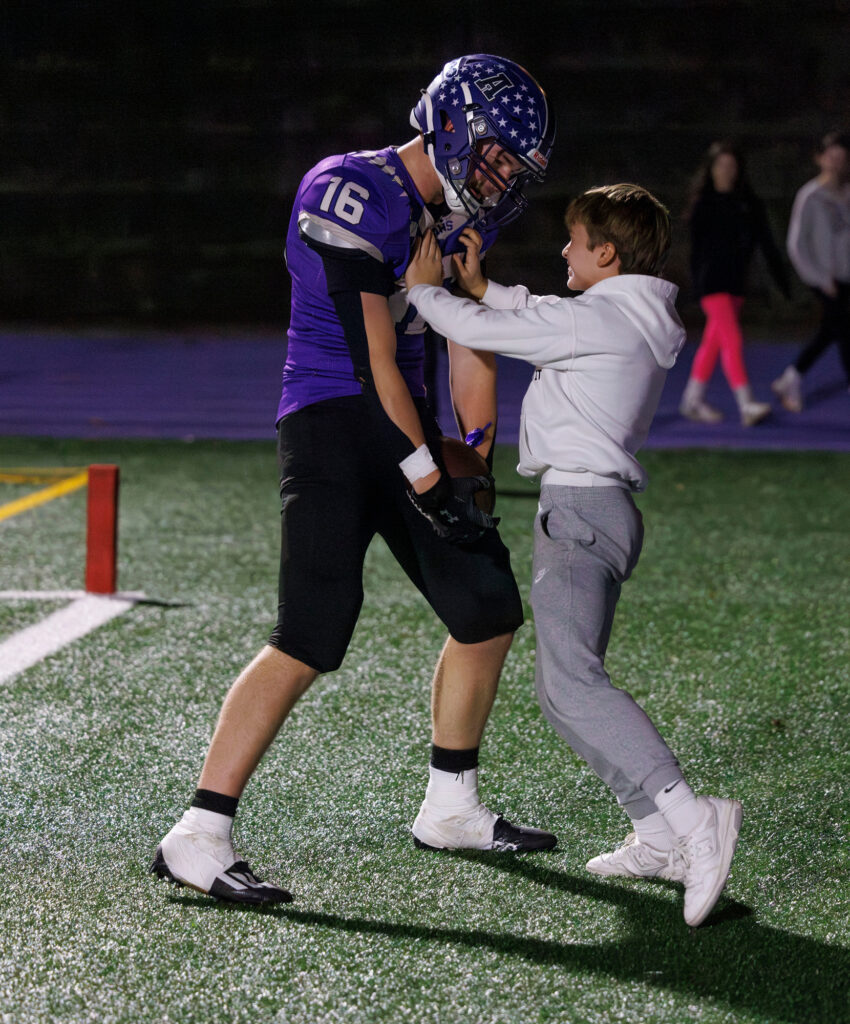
339 487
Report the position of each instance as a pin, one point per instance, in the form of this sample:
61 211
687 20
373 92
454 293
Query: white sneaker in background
789 388
754 412
700 412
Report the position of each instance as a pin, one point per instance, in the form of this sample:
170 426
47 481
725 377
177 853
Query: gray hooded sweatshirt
600 363
819 235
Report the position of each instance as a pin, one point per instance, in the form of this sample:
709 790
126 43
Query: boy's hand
426 264
467 267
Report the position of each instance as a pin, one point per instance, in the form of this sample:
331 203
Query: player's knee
468 625
498 646
324 658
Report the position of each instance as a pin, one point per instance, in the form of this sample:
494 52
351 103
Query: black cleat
237 884
519 839
475 829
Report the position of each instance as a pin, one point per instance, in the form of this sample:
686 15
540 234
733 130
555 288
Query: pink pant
722 336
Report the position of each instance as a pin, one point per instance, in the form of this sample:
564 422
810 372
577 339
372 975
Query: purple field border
201 384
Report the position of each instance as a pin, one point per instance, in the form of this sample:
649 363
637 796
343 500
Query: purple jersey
363 203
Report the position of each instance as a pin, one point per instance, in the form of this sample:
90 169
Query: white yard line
85 613
66 595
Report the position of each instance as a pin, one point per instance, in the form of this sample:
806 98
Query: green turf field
734 634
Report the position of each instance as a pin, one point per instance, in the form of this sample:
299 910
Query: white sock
452 790
200 820
654 831
678 804
743 395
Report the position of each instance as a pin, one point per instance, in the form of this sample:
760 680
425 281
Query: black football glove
449 506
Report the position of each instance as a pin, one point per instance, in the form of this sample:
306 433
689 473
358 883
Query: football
461 460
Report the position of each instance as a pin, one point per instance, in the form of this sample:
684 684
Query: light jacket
819 235
600 363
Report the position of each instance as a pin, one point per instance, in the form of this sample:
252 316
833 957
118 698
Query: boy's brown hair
631 219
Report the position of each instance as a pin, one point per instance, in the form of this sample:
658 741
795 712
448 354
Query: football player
359 455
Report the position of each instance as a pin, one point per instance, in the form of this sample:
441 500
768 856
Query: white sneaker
754 412
635 859
789 389
700 412
474 828
206 861
707 854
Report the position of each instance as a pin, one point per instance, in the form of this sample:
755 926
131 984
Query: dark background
149 152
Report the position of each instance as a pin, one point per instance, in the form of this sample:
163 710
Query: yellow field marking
37 475
73 483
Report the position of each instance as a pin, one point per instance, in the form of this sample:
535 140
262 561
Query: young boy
600 363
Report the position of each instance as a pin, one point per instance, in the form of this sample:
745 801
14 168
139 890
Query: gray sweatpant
587 541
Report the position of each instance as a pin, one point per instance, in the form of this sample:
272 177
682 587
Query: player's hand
450 508
426 264
467 266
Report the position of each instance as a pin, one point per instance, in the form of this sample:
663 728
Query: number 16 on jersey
346 207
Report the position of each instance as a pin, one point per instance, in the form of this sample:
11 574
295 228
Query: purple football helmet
475 103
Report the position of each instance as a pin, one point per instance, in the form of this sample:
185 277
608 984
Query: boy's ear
607 255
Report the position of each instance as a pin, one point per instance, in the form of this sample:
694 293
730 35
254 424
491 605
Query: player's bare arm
390 386
472 374
472 381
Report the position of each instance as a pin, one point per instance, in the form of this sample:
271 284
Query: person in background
727 223
819 249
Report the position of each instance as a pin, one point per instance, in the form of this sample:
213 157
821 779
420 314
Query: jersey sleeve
348 212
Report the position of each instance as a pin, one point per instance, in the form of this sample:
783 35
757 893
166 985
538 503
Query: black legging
834 326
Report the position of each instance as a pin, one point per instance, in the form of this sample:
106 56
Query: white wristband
418 464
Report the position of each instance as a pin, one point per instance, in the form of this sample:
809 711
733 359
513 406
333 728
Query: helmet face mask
478 112
504 201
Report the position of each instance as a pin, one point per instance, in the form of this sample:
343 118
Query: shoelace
646 859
